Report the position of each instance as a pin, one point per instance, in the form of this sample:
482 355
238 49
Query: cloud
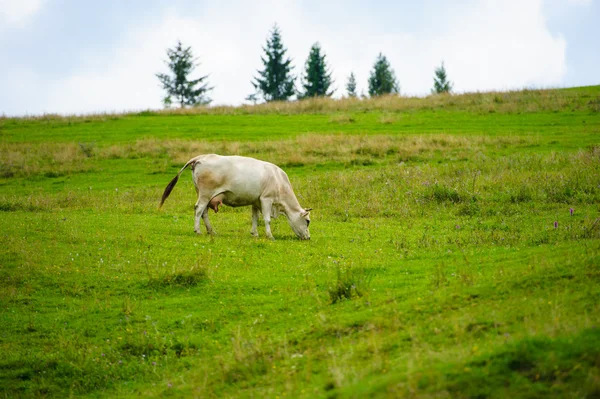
486 45
493 45
228 49
18 12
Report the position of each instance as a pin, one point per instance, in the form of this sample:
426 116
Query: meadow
455 252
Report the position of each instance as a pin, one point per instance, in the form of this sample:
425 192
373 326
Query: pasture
455 252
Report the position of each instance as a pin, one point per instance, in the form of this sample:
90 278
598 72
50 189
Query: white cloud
492 44
580 2
229 52
18 12
495 45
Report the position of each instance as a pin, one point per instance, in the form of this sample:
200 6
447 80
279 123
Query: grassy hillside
454 252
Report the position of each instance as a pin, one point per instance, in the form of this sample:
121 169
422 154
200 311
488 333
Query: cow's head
299 222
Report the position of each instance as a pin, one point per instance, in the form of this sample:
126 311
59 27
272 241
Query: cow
243 181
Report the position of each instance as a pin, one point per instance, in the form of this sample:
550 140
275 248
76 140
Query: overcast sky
78 56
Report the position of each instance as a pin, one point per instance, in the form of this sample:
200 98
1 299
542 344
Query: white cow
242 181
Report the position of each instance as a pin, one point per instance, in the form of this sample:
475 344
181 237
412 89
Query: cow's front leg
254 230
266 206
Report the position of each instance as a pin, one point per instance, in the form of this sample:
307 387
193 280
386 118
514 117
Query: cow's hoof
254 234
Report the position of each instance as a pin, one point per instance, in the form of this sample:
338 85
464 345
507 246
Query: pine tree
252 97
182 63
317 78
351 85
440 81
275 82
382 79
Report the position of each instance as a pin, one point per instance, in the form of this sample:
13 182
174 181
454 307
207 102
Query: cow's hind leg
201 211
209 228
254 231
266 206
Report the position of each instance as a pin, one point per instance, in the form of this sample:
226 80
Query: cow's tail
173 182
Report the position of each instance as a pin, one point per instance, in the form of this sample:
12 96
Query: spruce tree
351 85
382 79
182 63
275 81
440 81
317 79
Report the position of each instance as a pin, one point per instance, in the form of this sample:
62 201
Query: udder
216 201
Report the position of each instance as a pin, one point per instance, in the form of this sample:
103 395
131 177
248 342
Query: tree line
275 81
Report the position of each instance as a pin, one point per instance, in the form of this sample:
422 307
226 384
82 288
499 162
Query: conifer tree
182 63
351 85
252 97
275 82
382 79
440 81
317 79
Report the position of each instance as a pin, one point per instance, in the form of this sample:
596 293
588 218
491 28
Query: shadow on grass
183 279
533 367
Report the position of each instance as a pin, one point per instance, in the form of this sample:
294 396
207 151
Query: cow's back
244 180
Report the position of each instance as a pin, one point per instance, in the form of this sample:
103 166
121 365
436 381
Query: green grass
563 127
444 259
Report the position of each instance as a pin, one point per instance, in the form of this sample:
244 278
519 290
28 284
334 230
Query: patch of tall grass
518 101
509 102
28 159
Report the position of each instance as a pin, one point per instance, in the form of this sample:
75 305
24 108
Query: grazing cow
241 181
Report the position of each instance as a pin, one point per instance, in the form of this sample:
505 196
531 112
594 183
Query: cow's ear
308 209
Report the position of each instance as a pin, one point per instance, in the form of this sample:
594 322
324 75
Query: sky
80 56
